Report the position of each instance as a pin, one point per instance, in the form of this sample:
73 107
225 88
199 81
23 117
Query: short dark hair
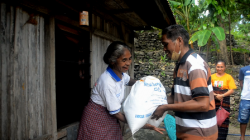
222 61
114 51
174 31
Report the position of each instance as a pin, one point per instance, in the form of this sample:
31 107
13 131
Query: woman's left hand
159 130
219 97
149 126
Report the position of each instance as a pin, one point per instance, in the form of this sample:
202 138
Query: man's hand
158 112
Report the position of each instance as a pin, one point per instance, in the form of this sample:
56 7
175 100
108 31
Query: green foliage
150 61
151 65
163 73
241 50
219 32
202 36
159 31
214 39
186 13
164 58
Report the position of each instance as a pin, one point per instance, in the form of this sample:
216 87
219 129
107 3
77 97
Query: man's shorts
244 111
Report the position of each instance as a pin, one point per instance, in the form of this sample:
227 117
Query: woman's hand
149 126
120 117
219 97
159 130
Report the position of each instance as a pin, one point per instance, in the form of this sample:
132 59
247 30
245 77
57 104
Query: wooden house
48 62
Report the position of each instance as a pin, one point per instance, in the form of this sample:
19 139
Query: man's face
169 46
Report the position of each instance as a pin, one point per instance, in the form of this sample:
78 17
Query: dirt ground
145 134
236 130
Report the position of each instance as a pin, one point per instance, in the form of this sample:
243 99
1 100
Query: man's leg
243 118
243 127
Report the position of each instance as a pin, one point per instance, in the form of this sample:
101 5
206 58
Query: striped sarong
97 124
223 129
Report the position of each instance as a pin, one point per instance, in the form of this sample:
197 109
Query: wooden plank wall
98 49
25 113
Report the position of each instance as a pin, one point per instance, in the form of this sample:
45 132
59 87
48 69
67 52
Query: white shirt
109 89
245 94
245 75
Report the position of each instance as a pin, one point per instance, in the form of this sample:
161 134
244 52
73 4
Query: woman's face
220 68
123 62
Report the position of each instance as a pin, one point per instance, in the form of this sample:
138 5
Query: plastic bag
170 126
145 96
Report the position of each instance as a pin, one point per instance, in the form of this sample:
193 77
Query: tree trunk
223 44
231 53
244 58
208 46
192 46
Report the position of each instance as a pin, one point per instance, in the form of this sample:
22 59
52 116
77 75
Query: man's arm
170 99
200 104
241 84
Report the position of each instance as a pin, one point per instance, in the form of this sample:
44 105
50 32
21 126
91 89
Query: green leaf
215 14
222 16
219 32
195 37
215 42
211 24
187 2
204 26
209 1
225 10
174 3
203 37
215 2
219 10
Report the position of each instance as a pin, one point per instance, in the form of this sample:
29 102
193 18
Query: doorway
72 73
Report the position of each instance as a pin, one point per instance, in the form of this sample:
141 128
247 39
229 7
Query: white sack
145 96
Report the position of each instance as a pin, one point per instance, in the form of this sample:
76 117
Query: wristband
223 95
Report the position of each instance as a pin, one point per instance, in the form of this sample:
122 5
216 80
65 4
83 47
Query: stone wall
149 60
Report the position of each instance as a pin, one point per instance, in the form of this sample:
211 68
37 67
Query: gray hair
174 31
114 51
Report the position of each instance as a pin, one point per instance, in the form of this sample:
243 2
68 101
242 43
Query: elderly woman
223 86
100 117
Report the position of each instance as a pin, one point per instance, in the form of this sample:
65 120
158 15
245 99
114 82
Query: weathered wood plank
47 101
71 22
6 67
61 133
108 36
44 137
69 131
99 45
25 103
52 77
18 122
161 7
